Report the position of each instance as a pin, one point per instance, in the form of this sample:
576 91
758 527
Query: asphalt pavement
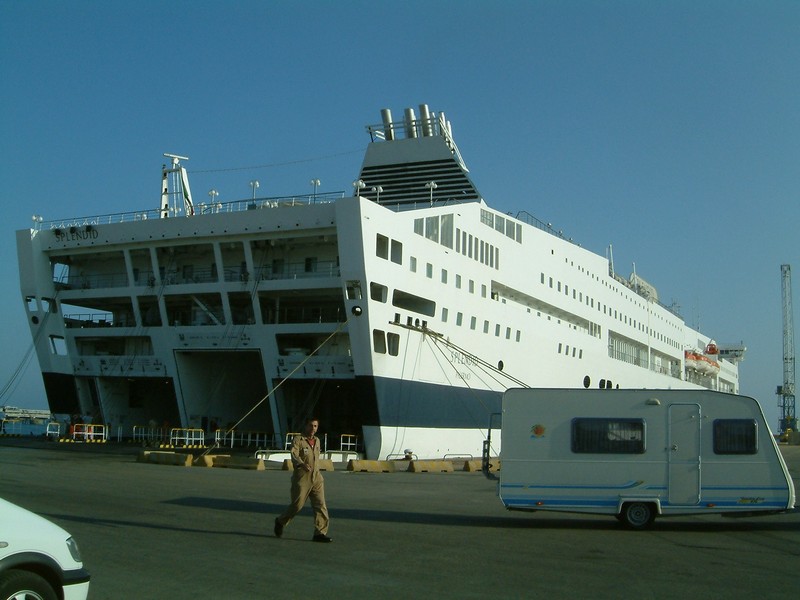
155 531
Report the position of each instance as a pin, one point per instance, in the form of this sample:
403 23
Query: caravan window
607 436
735 436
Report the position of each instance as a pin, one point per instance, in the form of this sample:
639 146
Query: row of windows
624 291
627 436
502 224
606 310
440 229
566 350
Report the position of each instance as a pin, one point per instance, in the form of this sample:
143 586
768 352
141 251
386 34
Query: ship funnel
388 131
410 118
425 117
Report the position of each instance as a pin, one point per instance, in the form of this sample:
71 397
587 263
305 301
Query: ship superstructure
397 315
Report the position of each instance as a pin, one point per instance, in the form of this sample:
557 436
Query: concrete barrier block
324 464
375 466
239 462
476 466
431 466
166 458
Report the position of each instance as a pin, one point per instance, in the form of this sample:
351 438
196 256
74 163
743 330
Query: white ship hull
395 320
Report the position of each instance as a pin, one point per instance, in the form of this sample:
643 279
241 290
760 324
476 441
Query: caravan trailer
638 454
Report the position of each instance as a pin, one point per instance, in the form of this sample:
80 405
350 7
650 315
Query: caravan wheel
637 515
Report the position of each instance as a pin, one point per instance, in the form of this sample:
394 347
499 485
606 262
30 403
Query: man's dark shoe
278 529
321 537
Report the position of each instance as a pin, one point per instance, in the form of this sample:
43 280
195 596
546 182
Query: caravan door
684 454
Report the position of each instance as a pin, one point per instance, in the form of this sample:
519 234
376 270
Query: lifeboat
707 366
690 358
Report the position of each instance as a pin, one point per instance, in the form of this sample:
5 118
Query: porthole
500 365
587 381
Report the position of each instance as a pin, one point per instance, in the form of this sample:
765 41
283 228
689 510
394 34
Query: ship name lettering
71 236
461 359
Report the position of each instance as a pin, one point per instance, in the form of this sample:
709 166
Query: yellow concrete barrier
238 462
477 465
324 464
431 466
165 458
376 466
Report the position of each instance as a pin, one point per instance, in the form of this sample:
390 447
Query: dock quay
152 531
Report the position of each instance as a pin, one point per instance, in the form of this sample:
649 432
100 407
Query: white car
38 559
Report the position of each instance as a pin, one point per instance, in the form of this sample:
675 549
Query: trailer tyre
637 515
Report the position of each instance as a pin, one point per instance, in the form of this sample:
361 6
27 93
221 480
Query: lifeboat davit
712 349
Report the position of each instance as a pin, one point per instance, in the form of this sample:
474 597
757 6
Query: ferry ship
397 314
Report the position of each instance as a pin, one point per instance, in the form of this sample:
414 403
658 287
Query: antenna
175 158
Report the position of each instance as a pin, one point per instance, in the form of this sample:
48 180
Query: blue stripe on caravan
625 486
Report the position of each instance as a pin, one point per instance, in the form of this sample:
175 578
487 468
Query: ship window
491 256
397 252
486 327
412 264
419 226
510 228
473 322
447 231
499 223
432 228
497 330
382 246
469 247
58 345
310 265
444 275
519 232
393 343
459 318
444 315
519 335
483 291
417 304
497 258
483 252
353 289
463 242
508 333
30 301
378 292
429 270
379 341
487 218
608 436
458 240
458 282
471 286
735 436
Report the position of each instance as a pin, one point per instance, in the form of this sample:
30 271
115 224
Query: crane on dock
786 391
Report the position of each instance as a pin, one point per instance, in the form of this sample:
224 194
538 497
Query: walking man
307 482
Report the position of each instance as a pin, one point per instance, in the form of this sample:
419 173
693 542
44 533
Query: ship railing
149 434
89 432
201 209
232 438
299 270
84 320
53 430
348 441
181 436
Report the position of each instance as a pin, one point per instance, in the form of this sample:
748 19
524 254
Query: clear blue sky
668 129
